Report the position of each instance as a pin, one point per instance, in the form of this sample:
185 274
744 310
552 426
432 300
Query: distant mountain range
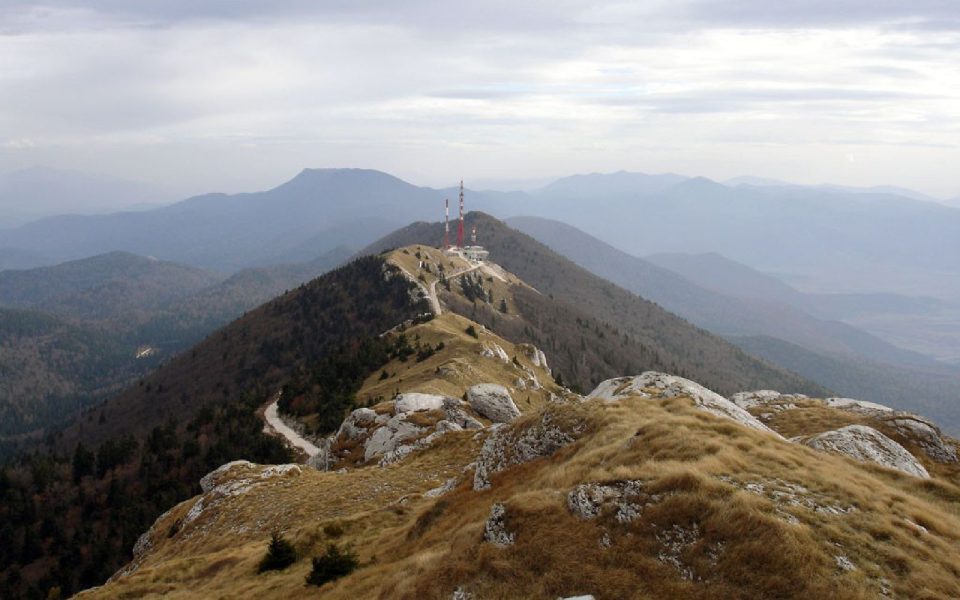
38 192
309 215
767 319
821 239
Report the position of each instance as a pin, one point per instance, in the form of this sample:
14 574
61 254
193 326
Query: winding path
432 290
274 422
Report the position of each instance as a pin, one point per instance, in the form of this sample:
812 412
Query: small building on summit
477 254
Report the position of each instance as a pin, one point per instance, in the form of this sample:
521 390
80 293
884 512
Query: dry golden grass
902 535
457 366
726 511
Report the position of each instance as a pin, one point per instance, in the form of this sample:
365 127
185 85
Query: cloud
201 90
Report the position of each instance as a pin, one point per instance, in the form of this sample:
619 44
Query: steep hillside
565 310
112 319
108 286
653 486
771 311
50 368
113 471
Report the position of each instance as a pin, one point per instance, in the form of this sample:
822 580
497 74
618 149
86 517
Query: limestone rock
393 433
493 401
223 473
627 498
868 445
860 406
747 400
495 351
456 412
495 530
535 355
357 423
669 386
926 435
509 446
412 402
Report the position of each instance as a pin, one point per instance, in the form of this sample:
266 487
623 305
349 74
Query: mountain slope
638 490
722 313
105 478
570 303
102 287
50 368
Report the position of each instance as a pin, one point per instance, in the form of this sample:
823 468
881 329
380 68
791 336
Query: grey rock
413 401
495 530
868 445
493 401
669 386
507 446
392 434
925 434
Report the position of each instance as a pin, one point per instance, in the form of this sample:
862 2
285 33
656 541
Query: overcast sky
234 95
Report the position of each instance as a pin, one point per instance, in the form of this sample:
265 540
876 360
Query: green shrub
332 565
280 554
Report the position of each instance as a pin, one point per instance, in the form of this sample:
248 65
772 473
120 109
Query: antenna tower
446 223
460 224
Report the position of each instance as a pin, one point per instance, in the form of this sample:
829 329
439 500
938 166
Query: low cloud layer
234 95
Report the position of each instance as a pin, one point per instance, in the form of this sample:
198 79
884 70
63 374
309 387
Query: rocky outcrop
393 433
625 499
924 434
748 400
456 411
493 401
495 351
535 355
495 529
509 446
861 406
359 422
868 445
412 402
653 384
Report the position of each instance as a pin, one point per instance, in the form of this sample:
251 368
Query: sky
238 95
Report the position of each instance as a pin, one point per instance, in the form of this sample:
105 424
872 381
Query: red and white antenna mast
460 225
446 223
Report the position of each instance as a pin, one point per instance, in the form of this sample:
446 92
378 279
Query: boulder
392 434
669 386
412 402
861 406
868 445
748 400
493 401
926 435
358 422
